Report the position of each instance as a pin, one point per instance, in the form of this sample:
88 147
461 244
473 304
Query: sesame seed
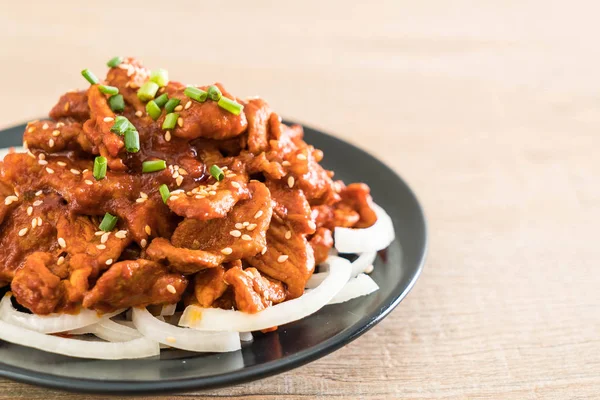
173 198
121 234
282 258
104 237
109 119
171 339
301 157
179 180
59 124
85 171
246 223
286 163
291 181
101 246
178 108
62 163
56 133
288 235
140 200
168 136
251 227
99 233
171 289
30 154
199 196
23 232
143 195
312 225
75 171
109 261
235 233
62 243
33 223
264 250
37 203
39 221
88 182
138 114
10 199
175 174
235 184
182 171
227 251
42 156
38 193
42 162
60 260
180 122
45 126
29 210
148 230
258 214
143 243
49 170
31 129
239 226
51 143
188 104
246 237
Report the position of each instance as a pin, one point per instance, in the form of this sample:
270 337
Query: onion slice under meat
109 330
137 348
362 285
360 265
375 238
184 338
51 323
212 319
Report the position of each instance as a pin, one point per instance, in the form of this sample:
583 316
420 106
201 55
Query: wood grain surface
489 109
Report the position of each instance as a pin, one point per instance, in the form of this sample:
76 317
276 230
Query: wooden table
490 111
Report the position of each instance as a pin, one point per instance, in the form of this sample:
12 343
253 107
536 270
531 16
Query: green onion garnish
121 125
170 121
161 100
89 76
171 104
164 192
147 91
153 110
214 93
108 222
132 141
108 89
195 94
116 103
232 106
153 166
160 76
217 173
114 62
99 167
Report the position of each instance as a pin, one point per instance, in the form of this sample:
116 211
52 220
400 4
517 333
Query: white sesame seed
246 223
104 237
282 258
108 119
51 143
39 221
88 182
179 180
227 251
143 243
138 114
264 250
143 195
56 133
59 124
188 104
301 157
239 226
85 171
168 136
291 181
235 233
109 261
45 126
33 223
246 237
10 199
235 184
99 233
121 234
199 196
37 203
182 171
29 210
31 129
38 193
258 214
62 163
42 162
312 225
75 171
30 154
23 232
62 243
288 235
101 246
251 227
140 200
171 289
42 156
49 170
180 122
286 163
148 230
175 174
60 260
178 108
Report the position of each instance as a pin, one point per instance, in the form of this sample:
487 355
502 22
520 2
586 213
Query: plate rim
247 374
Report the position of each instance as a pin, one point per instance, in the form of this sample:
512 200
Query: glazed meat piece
209 285
184 260
135 283
128 77
54 137
257 112
292 207
71 105
97 128
321 242
253 292
356 196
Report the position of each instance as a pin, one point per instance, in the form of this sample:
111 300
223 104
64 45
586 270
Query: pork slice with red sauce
252 291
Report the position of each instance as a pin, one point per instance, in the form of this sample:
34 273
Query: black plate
292 345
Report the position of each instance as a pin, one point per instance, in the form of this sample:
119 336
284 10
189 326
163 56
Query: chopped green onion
160 76
195 94
116 103
217 173
164 192
89 76
108 222
153 166
132 141
170 121
114 62
214 93
99 167
161 100
153 110
108 89
171 104
147 91
121 125
230 105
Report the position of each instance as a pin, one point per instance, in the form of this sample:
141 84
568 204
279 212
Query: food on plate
145 211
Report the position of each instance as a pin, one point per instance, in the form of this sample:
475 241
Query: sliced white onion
51 323
138 348
362 285
184 338
109 330
246 336
360 265
168 310
375 238
216 319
